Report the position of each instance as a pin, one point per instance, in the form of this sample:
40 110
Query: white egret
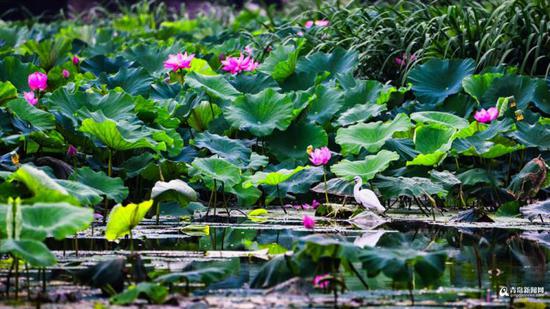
366 197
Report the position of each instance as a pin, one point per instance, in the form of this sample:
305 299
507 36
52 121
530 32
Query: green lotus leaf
260 113
428 159
112 187
404 263
234 150
7 91
173 190
149 56
367 168
277 270
32 251
215 86
154 292
359 113
437 79
534 135
408 186
281 62
123 136
370 136
430 138
86 195
50 52
441 118
325 102
524 89
476 176
122 219
339 61
476 85
301 182
58 220
253 84
99 64
245 196
201 66
271 178
218 169
202 115
16 72
359 92
77 105
335 186
33 117
43 187
293 142
134 81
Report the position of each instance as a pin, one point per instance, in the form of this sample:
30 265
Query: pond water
483 257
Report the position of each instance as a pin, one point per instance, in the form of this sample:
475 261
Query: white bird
366 197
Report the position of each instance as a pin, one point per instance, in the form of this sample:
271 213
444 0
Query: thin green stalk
326 188
280 198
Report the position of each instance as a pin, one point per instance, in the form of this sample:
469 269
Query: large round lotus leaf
43 187
260 113
476 85
442 118
33 117
326 101
77 105
292 143
534 135
302 181
234 150
173 190
523 88
281 62
359 113
215 86
437 79
154 292
339 61
13 70
202 115
252 83
99 64
218 169
271 178
86 195
402 255
32 251
408 186
124 136
430 138
7 92
112 187
370 136
277 270
58 220
366 168
428 159
149 56
134 81
122 219
359 91
335 186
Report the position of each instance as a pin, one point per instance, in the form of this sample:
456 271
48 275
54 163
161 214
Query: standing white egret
366 197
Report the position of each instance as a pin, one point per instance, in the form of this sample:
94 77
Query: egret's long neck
357 187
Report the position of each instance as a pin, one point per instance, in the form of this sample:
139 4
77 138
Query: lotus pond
308 154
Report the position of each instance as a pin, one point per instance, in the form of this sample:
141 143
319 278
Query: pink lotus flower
318 23
319 156
309 222
486 116
404 59
72 151
66 73
38 81
76 60
321 281
314 205
178 61
30 98
236 65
